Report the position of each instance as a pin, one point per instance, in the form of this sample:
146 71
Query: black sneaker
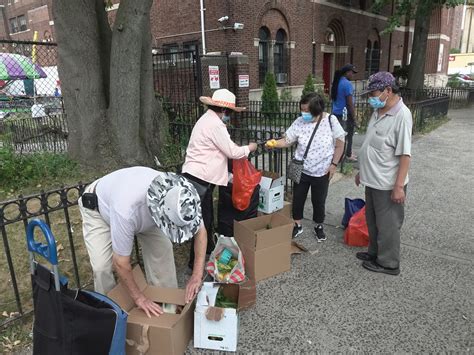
320 235
297 230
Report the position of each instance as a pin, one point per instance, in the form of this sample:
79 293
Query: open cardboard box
214 327
166 334
265 242
286 210
272 191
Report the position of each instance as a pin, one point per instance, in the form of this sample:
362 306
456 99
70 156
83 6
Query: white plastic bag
234 275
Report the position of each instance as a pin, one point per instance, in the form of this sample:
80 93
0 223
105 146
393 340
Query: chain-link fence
29 81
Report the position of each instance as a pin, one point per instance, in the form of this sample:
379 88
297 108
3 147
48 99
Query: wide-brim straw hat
222 98
175 206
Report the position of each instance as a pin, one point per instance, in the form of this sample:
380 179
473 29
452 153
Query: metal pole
203 32
462 25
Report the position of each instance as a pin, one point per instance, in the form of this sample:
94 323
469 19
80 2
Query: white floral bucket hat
175 206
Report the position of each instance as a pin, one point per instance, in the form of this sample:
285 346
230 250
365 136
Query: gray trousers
384 221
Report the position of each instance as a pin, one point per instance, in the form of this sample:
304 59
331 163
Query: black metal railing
428 111
458 97
24 134
59 210
177 74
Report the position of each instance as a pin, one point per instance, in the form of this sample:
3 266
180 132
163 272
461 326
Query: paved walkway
329 303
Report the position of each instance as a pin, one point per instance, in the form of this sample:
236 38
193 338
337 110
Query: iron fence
24 134
59 209
56 207
458 97
177 74
427 111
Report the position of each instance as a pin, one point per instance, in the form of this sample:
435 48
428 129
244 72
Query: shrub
308 85
270 102
285 95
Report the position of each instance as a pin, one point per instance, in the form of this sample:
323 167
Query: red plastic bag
246 177
357 233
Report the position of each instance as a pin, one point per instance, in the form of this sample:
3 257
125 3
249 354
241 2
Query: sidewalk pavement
329 303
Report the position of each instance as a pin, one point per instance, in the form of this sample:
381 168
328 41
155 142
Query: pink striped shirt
209 148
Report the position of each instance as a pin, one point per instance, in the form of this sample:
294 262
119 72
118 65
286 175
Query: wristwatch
333 163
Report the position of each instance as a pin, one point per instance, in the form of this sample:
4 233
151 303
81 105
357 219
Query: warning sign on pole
214 81
244 81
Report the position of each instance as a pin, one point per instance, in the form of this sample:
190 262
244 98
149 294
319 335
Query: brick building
294 38
21 18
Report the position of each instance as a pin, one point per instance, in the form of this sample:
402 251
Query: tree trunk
416 73
107 83
80 49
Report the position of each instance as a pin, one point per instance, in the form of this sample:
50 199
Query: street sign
244 81
214 79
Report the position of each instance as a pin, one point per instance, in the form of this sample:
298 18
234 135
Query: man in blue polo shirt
342 97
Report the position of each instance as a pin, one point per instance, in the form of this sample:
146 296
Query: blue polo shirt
344 89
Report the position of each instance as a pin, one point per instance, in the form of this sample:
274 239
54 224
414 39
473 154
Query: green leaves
270 102
308 85
17 171
410 8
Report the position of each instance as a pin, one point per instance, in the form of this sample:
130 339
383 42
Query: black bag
70 321
295 168
227 213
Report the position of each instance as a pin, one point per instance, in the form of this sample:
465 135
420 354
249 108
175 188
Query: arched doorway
334 51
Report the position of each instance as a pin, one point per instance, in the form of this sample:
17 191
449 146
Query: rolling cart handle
48 251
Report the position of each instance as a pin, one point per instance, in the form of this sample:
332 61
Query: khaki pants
157 252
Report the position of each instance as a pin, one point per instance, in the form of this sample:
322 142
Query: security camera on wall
238 26
223 19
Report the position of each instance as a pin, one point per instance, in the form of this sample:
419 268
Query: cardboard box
286 210
214 327
272 191
247 294
166 334
265 242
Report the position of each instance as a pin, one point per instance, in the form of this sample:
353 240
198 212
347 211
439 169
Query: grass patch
31 173
433 124
16 336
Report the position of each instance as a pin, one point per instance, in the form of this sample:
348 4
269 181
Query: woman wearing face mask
209 148
320 164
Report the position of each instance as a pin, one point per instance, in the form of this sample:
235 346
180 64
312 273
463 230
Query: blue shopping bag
351 206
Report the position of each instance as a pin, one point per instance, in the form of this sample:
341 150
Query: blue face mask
225 118
376 103
307 116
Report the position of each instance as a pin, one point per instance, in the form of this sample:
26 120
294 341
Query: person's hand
357 179
148 306
270 144
192 288
398 195
253 147
331 171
